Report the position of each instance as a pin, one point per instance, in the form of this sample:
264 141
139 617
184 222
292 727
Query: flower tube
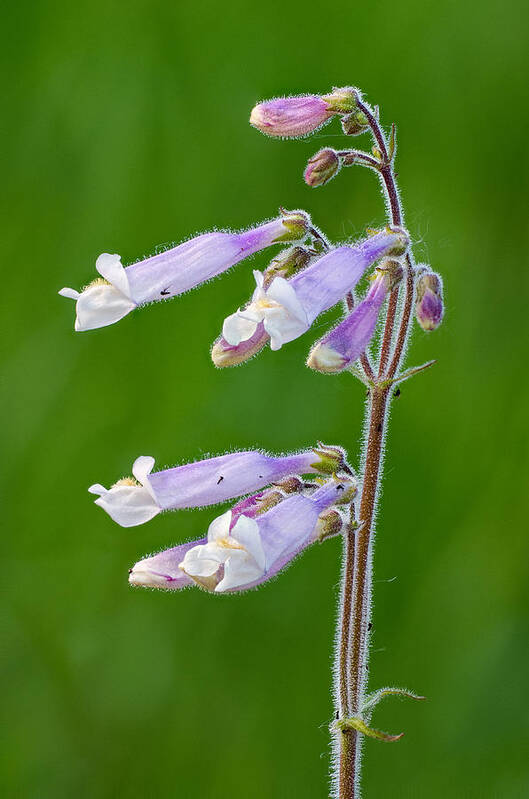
119 290
130 502
241 555
287 308
339 348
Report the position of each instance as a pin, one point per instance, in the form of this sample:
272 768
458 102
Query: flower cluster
253 541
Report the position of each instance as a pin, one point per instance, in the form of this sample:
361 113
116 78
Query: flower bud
224 354
290 485
355 123
286 264
296 116
322 167
429 301
290 116
330 523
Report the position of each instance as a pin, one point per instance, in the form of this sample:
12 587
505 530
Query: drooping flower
339 348
121 289
286 264
288 308
429 307
245 552
131 502
296 116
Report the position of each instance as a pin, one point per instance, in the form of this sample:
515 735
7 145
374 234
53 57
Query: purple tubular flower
287 308
119 290
339 348
131 502
291 116
241 554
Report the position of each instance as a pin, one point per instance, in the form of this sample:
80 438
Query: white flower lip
130 505
239 550
102 304
279 309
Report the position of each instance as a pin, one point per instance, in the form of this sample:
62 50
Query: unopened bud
322 167
355 123
330 459
330 523
224 354
342 101
296 225
429 302
290 485
286 264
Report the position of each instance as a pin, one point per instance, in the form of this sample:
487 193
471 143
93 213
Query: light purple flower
119 290
339 348
287 308
241 555
131 502
297 116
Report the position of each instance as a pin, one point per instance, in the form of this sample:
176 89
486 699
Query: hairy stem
356 592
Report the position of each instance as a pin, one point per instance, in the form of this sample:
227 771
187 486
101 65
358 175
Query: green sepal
358 724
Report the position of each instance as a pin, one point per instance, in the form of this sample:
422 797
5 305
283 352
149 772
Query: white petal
259 278
239 327
126 505
72 294
141 469
246 532
110 267
220 527
282 292
202 560
240 569
101 305
282 327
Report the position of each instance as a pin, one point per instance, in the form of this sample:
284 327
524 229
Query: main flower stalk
355 618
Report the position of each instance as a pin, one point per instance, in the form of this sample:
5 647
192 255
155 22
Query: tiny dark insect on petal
221 478
165 292
340 487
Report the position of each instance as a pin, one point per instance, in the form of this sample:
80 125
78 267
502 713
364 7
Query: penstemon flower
120 289
339 348
288 308
130 502
245 552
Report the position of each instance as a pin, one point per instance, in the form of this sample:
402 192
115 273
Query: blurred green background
126 127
